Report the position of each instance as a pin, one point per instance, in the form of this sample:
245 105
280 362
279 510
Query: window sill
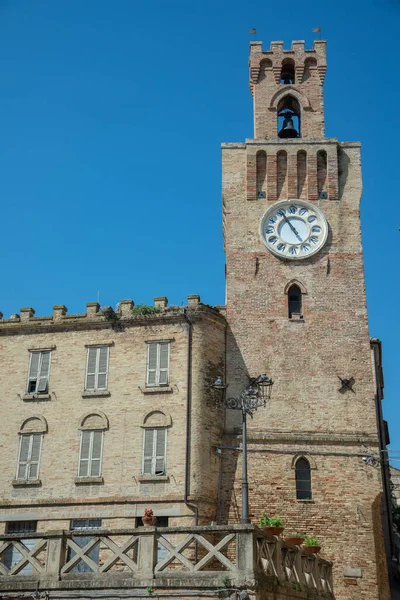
31 397
153 478
166 389
88 480
310 501
97 394
26 482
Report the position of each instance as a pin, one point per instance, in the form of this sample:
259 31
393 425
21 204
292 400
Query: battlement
288 83
125 310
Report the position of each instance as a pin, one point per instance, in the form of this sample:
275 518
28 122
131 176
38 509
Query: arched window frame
90 461
155 425
294 283
303 492
31 434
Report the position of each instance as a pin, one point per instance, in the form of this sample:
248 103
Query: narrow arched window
294 301
303 480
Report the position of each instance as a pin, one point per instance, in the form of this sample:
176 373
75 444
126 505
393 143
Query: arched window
288 118
294 301
287 72
303 479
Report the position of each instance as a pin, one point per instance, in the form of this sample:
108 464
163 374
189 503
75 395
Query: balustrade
230 557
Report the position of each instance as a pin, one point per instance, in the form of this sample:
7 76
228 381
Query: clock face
294 229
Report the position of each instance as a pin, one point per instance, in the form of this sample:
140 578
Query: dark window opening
294 301
303 480
287 72
93 554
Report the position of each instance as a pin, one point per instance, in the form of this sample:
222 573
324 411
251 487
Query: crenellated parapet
126 310
297 74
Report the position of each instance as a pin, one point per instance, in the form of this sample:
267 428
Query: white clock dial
294 229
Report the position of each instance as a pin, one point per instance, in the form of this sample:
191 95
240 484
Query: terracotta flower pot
148 521
295 541
312 549
274 530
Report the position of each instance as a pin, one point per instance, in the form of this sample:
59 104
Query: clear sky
112 115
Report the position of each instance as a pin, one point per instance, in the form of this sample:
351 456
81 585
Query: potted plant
272 525
148 517
311 544
296 539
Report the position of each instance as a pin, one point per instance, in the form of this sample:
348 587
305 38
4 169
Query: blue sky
111 120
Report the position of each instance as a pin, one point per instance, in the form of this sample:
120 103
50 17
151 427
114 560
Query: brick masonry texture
307 414
304 357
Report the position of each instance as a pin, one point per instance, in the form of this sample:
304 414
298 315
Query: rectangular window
29 456
154 451
12 556
39 371
97 368
90 454
81 541
157 363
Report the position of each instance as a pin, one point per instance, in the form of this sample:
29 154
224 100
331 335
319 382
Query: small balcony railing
220 559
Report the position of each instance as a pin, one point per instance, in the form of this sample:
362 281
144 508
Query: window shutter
33 470
84 455
44 372
160 451
164 364
148 451
91 368
97 444
152 364
34 365
24 448
103 367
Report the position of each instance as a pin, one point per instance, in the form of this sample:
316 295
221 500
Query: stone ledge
33 397
26 482
153 478
167 389
88 480
99 394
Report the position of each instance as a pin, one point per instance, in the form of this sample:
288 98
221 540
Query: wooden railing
218 558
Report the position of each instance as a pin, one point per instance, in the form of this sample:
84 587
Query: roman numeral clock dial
294 229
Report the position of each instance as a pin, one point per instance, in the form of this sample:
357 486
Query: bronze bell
288 130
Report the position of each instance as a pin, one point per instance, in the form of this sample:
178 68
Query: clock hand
292 228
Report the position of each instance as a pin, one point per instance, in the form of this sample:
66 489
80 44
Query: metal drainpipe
190 505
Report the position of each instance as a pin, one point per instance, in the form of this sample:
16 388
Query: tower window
303 480
289 118
294 301
287 72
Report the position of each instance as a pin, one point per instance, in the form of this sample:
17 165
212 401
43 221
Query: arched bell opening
289 118
287 71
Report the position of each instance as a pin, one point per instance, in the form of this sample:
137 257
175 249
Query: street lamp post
252 397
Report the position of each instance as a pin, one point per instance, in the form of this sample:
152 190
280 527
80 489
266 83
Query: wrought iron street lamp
256 394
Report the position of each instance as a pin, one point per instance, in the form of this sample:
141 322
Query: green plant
311 541
150 590
226 582
144 309
274 521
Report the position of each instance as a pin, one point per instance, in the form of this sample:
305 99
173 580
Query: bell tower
296 310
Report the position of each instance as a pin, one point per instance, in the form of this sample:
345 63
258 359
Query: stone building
108 413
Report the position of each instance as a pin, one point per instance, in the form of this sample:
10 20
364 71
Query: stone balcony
212 561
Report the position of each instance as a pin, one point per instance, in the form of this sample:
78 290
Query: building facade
108 413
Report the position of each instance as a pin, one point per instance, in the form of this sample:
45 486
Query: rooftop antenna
98 296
